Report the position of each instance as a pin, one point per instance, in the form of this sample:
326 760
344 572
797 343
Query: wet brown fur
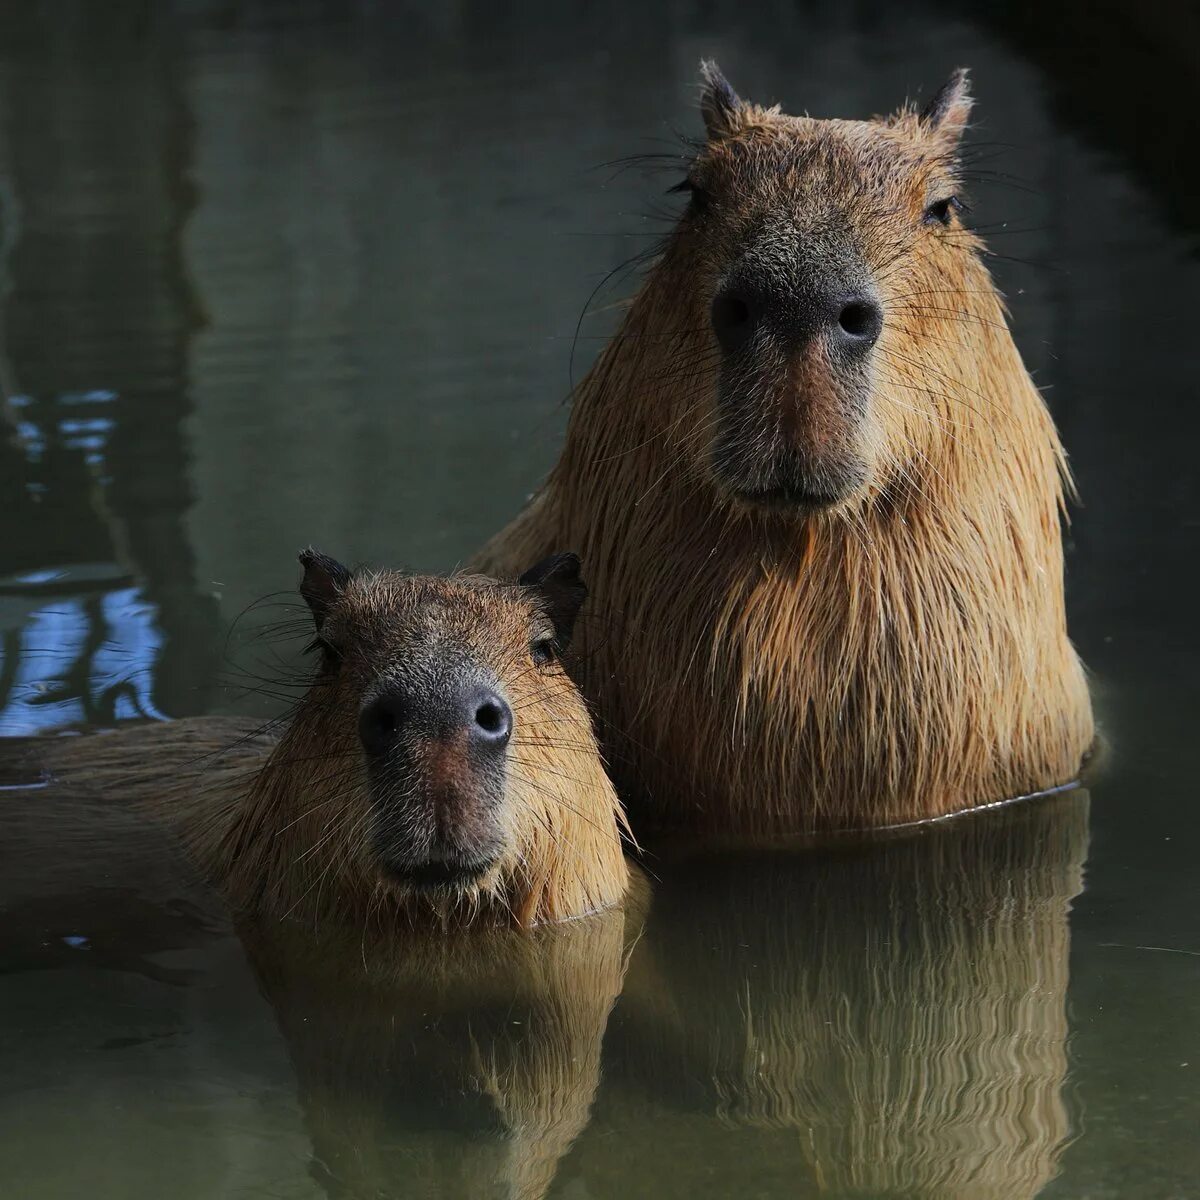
280 824
899 656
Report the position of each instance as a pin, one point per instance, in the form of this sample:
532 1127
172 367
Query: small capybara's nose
490 722
735 316
476 712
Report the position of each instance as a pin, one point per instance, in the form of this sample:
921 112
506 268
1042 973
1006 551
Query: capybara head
442 753
814 248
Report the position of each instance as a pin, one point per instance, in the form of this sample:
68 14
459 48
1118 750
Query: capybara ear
324 582
946 114
720 105
562 591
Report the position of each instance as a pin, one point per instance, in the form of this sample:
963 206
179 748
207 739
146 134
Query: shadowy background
280 273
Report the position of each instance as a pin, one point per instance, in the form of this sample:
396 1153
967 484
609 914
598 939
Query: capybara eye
940 212
327 649
543 652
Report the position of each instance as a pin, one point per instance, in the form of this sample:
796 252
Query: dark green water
281 273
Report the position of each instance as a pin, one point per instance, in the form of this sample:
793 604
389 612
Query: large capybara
441 762
819 496
881 1019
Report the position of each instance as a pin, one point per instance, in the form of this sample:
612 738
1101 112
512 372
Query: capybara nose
859 322
380 723
734 317
850 323
475 713
490 722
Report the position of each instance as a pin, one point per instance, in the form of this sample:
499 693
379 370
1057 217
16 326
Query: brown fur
891 1017
280 824
899 656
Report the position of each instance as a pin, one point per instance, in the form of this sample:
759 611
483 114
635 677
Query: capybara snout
436 750
470 709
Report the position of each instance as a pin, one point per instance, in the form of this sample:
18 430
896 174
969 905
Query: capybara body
819 496
441 763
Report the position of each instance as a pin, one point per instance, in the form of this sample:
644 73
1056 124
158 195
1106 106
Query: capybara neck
894 653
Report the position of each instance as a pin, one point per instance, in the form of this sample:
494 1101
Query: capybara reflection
886 1019
441 762
443 1064
819 495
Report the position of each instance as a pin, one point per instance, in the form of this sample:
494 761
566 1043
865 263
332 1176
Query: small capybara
819 495
885 1018
441 761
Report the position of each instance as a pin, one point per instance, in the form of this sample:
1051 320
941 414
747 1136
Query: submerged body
820 497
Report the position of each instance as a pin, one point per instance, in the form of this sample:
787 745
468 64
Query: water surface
273 274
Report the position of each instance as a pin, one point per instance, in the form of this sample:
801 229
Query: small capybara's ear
562 592
720 105
324 583
946 115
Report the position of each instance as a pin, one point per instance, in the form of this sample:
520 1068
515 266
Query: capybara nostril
492 723
860 321
379 724
733 319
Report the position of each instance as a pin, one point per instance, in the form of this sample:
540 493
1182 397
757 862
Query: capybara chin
820 496
441 762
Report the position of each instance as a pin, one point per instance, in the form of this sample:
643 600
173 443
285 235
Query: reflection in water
442 1065
77 659
94 331
139 1059
890 1018
78 642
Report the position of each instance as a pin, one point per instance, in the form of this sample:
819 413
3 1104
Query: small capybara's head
443 753
814 249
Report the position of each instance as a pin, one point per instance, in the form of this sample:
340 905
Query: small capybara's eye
543 652
328 651
940 212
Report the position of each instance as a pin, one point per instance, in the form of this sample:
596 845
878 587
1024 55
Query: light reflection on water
80 660
80 642
278 274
